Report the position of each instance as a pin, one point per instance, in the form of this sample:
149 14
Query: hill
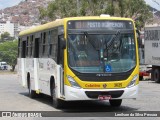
26 13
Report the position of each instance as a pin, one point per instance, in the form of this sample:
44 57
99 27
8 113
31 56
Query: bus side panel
30 71
23 70
47 68
19 71
36 74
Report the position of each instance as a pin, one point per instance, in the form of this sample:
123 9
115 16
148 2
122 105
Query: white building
7 27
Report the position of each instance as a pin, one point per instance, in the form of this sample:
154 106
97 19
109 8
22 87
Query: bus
80 58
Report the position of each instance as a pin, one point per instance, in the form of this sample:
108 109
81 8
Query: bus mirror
63 43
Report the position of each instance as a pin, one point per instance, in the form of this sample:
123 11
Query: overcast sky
9 3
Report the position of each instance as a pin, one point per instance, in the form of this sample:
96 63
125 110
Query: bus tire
115 103
32 93
156 75
57 103
140 77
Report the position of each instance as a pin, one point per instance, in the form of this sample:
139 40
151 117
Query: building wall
7 27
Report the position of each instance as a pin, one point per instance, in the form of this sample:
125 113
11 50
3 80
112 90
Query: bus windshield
101 53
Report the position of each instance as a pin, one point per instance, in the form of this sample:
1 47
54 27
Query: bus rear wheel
57 103
116 102
156 75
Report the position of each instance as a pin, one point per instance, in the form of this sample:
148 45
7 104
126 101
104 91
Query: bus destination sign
100 25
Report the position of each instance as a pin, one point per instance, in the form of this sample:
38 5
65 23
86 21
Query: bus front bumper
73 94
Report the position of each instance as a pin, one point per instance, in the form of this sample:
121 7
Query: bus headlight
133 81
73 82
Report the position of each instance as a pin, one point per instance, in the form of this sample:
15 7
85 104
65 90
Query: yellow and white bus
81 58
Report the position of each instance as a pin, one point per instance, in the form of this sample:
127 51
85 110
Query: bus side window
36 47
50 43
40 45
19 48
23 51
53 44
60 55
46 53
43 43
30 46
27 46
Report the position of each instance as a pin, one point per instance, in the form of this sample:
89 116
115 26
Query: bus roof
42 27
60 22
97 18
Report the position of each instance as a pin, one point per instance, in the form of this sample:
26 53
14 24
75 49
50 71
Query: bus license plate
104 97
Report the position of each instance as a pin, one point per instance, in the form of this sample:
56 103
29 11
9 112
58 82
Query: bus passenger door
36 63
23 63
60 61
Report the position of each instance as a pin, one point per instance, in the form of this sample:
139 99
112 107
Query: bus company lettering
152 35
92 85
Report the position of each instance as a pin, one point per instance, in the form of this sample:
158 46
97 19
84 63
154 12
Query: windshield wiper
115 38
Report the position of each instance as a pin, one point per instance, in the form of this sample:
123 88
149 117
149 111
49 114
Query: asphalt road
13 97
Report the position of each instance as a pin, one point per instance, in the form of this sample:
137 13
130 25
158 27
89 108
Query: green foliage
59 9
70 8
5 36
136 9
8 52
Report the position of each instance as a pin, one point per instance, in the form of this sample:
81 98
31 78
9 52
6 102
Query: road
13 97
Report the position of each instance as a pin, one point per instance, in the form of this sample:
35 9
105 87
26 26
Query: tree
135 9
59 9
8 52
68 8
5 36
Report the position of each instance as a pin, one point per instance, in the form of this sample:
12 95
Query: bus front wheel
32 93
116 102
140 77
57 103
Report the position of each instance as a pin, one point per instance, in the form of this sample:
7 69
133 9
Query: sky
9 3
154 3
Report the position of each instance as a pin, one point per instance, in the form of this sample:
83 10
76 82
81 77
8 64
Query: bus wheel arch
57 103
32 93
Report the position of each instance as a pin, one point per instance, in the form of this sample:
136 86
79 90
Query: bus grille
95 94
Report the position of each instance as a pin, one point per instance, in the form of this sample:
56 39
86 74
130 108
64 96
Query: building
7 27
